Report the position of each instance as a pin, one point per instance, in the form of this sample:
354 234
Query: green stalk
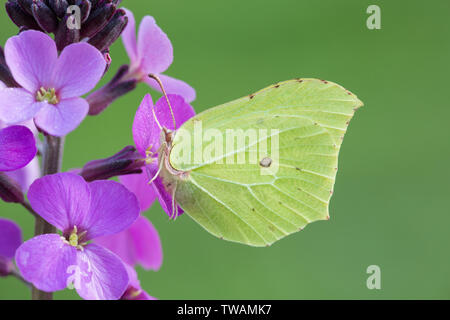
51 164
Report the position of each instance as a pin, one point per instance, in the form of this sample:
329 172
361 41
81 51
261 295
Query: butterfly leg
174 214
157 173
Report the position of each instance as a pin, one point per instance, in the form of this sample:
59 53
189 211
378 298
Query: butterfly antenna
156 119
157 79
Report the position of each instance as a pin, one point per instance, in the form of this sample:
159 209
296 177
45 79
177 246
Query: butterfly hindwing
272 193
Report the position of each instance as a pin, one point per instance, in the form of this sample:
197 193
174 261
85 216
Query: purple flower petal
182 111
141 295
164 198
60 119
139 244
31 57
146 131
113 209
134 290
29 124
17 147
18 105
138 184
133 280
148 248
154 48
61 199
10 238
27 175
174 86
129 38
45 260
104 276
78 70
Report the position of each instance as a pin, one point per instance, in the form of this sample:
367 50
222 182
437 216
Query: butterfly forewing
279 176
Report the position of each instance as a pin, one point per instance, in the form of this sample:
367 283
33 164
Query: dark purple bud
109 34
64 35
118 86
6 267
85 7
5 74
10 190
44 16
97 20
126 161
101 99
20 17
94 3
120 74
59 7
26 5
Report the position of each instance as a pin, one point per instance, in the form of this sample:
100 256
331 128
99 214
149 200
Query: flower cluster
99 21
91 232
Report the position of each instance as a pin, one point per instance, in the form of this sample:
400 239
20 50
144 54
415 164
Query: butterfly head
167 136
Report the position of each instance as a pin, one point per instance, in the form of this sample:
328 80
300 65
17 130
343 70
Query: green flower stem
51 163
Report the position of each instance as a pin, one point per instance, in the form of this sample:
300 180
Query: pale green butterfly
276 182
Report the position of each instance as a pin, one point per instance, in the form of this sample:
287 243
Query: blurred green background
390 206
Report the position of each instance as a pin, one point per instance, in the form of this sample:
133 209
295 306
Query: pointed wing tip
358 103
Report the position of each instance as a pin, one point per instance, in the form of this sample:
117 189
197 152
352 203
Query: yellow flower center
73 238
48 95
134 293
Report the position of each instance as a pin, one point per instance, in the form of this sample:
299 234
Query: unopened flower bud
26 5
20 17
126 161
85 10
5 74
106 37
44 16
59 7
6 267
10 190
65 36
97 20
117 87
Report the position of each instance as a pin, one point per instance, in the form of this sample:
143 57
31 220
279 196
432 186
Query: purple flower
26 175
134 290
146 134
52 85
138 184
10 240
17 147
139 244
152 52
83 212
